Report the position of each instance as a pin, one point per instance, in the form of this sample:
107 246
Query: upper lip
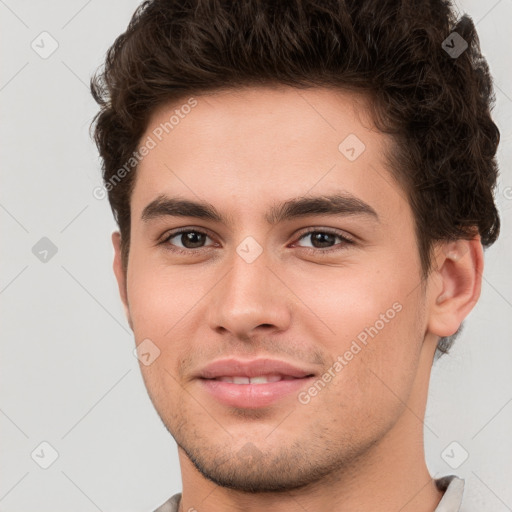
251 368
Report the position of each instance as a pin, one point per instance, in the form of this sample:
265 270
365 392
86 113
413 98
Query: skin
357 444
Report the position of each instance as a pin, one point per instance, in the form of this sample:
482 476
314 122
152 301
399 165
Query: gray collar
453 488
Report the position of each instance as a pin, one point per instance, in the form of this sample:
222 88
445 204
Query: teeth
240 380
261 379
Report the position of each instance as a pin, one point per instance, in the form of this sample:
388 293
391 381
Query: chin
249 470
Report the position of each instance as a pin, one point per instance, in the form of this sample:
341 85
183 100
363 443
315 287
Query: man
303 191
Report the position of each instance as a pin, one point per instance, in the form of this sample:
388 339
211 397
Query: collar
453 488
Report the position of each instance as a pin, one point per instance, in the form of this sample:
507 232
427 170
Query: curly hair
435 101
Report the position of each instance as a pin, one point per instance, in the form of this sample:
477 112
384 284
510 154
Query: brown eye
189 239
321 239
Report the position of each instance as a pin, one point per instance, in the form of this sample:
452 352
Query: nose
248 298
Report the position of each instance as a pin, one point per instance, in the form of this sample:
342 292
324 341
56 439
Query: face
319 299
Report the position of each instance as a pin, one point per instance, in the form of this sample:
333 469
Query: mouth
259 379
254 392
252 384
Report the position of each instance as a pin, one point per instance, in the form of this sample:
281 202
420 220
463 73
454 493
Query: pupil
322 238
191 238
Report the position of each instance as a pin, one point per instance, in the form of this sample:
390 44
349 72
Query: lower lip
252 396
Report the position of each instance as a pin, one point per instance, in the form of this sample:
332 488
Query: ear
456 285
121 275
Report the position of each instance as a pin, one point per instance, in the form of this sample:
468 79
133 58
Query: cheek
372 382
158 311
371 327
163 302
347 302
160 299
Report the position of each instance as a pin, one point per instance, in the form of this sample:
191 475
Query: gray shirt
451 501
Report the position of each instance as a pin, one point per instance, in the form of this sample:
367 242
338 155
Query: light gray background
68 374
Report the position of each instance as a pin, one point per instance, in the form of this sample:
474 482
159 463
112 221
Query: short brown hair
435 103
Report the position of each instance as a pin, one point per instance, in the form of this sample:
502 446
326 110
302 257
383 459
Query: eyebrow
336 204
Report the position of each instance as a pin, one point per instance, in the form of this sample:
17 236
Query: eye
190 239
322 240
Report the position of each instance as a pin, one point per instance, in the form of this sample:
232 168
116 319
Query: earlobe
457 286
120 275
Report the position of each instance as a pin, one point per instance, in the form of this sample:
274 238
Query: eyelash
345 240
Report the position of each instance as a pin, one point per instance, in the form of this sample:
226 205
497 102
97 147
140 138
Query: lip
252 368
252 396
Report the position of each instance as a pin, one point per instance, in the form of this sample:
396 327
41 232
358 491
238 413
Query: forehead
240 147
264 116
